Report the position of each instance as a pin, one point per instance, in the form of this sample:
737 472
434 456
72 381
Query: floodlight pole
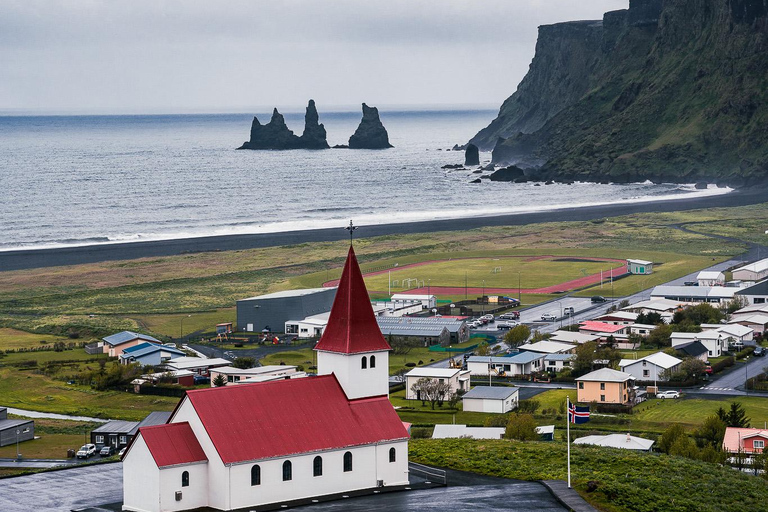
519 295
483 297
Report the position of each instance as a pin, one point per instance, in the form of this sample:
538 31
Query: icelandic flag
578 414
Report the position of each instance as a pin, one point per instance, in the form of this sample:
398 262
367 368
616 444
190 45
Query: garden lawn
626 481
48 446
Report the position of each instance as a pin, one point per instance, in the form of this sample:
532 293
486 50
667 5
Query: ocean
81 180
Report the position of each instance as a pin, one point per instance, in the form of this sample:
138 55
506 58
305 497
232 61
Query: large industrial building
271 311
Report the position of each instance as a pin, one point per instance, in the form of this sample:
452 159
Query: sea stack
314 136
471 155
276 135
370 134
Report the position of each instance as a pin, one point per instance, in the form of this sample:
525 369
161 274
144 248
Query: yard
14 339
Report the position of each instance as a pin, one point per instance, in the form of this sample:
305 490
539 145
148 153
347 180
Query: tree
711 432
497 420
521 427
219 381
736 416
649 318
671 436
539 336
738 302
661 336
690 367
431 390
529 406
244 363
483 349
585 356
517 335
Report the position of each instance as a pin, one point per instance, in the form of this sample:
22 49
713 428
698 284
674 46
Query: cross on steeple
351 228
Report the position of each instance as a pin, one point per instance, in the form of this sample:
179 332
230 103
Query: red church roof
273 419
352 326
172 443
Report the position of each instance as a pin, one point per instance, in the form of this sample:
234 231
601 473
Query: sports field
531 273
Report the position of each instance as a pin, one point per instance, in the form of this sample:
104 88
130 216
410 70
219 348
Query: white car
668 394
548 317
86 451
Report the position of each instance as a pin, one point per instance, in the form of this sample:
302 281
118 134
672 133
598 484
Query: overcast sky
113 56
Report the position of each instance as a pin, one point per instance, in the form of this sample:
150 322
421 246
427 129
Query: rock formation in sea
471 155
314 136
370 134
277 135
666 91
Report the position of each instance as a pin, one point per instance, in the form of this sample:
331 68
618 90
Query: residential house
557 362
234 375
639 267
623 441
710 278
572 337
748 441
618 318
641 329
756 271
654 367
119 434
184 378
519 364
115 344
463 431
664 307
755 295
758 323
310 327
735 332
457 380
12 430
715 342
498 399
602 329
147 354
693 349
605 386
197 365
272 443
548 347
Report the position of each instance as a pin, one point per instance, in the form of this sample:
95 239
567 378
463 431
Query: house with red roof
749 441
274 442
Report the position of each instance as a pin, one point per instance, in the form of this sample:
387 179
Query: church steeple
352 326
352 347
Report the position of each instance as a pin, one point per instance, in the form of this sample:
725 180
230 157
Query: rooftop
659 359
126 336
456 431
757 266
183 363
591 325
640 262
173 443
290 293
444 373
547 347
491 392
625 441
605 375
734 434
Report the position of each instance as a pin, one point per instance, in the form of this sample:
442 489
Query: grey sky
237 55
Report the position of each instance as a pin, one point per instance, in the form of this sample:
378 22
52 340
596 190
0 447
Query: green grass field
625 481
171 325
14 338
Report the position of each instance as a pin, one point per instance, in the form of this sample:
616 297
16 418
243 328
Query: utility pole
519 296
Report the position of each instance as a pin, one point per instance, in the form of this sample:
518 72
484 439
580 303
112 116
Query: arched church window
373 361
364 363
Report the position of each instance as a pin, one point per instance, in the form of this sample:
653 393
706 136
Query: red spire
352 326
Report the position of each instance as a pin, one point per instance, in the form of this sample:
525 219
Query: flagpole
568 435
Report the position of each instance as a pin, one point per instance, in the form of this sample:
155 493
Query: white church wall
218 478
356 381
195 495
392 473
141 486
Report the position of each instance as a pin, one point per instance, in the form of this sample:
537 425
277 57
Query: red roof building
748 441
352 326
250 445
591 326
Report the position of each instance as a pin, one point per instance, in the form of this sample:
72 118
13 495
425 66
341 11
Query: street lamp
519 296
429 291
483 297
18 455
181 328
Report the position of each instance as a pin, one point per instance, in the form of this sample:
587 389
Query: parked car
107 451
708 370
668 394
86 451
201 379
568 310
510 315
759 351
598 299
488 318
548 317
506 325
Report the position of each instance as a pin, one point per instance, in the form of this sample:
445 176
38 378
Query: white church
255 444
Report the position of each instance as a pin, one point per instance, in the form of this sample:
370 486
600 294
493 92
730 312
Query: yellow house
605 386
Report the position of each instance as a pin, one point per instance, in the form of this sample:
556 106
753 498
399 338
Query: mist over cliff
667 90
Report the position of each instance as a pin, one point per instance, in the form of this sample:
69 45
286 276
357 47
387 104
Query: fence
431 475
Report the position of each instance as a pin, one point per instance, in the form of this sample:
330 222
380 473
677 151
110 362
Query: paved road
62 491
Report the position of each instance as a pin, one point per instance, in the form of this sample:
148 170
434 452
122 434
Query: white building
198 365
618 318
498 399
523 363
753 272
250 445
755 295
459 431
654 367
714 341
234 375
549 347
695 294
427 301
309 327
626 442
710 278
457 380
557 362
640 267
572 337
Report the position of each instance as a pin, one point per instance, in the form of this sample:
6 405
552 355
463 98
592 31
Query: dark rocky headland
370 133
276 135
673 91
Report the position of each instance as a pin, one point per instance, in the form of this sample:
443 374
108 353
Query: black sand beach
28 259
